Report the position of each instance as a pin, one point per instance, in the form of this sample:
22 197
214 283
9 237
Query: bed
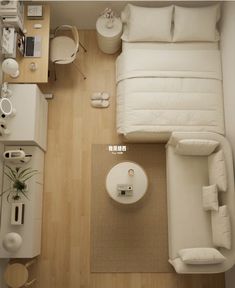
166 87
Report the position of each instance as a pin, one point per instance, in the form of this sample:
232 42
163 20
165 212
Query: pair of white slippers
100 100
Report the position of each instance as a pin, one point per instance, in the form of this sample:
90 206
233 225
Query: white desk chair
63 49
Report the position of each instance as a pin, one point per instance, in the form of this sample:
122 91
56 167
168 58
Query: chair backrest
75 36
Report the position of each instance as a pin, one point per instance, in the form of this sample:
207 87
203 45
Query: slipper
100 103
100 96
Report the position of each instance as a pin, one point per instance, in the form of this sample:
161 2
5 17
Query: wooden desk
41 74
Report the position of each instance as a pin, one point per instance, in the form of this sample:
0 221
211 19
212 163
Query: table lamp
11 67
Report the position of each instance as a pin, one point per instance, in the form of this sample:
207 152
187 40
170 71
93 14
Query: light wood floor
73 127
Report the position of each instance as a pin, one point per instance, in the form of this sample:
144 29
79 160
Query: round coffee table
126 182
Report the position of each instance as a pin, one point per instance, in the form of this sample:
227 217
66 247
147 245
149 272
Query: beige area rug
129 238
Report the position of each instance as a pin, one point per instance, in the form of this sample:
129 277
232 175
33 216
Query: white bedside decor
11 67
109 35
109 15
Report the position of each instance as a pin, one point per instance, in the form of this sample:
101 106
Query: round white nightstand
131 175
109 39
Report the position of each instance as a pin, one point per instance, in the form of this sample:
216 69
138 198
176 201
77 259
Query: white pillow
201 256
217 170
196 24
221 227
210 198
125 14
196 147
147 24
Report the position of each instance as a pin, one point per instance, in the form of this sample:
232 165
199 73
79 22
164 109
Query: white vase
109 23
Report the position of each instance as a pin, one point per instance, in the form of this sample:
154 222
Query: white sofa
189 226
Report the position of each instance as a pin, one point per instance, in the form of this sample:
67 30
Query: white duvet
169 90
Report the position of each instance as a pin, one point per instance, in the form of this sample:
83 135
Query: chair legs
55 75
85 50
83 75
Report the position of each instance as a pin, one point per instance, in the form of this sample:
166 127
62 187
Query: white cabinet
29 125
30 230
109 39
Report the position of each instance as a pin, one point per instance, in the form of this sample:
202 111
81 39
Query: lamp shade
11 67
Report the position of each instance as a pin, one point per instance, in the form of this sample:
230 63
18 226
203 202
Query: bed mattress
163 88
170 46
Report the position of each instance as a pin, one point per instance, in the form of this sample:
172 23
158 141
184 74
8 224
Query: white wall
228 60
84 14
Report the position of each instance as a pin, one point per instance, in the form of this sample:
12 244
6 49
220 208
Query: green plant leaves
18 177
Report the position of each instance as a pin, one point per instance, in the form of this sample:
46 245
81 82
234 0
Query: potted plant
18 177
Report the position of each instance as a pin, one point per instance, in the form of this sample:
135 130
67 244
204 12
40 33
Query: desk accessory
6 108
20 42
16 156
8 41
33 46
17 213
11 67
37 26
35 11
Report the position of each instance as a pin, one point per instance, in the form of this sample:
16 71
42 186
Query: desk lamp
11 67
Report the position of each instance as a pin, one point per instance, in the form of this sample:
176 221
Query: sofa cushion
201 256
196 147
221 227
217 170
210 197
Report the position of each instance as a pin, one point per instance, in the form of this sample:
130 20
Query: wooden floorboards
72 128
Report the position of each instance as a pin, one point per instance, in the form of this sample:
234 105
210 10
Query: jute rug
129 238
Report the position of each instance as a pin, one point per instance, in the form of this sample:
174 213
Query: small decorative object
16 156
12 242
18 177
33 66
11 67
5 91
109 15
17 213
35 11
131 172
125 190
6 107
